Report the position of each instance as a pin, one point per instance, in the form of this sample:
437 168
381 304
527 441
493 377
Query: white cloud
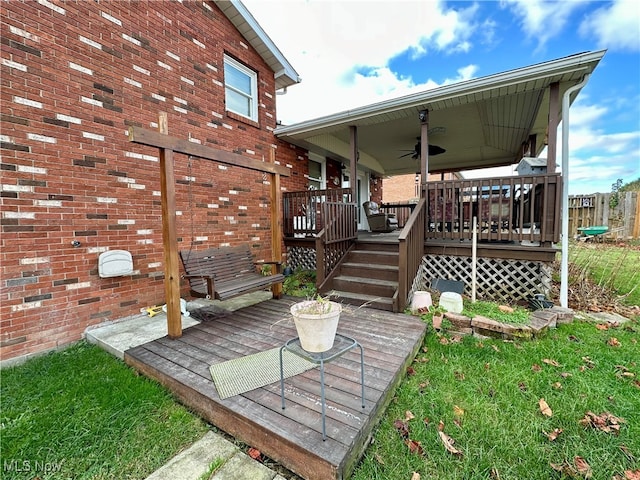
342 49
542 20
616 26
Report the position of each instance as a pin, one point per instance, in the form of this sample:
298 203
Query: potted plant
316 322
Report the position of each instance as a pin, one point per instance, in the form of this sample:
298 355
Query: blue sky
351 53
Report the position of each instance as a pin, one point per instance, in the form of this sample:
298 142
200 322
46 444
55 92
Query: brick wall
75 76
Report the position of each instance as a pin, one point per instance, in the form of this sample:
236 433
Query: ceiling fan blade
407 154
435 150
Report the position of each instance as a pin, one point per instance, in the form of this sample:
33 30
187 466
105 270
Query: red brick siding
74 78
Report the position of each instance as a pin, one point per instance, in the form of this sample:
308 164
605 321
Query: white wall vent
115 263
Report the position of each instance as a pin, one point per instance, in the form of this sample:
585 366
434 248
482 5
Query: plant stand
342 345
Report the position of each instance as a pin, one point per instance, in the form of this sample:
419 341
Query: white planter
421 300
316 329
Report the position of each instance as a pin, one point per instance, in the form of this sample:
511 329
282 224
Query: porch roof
481 122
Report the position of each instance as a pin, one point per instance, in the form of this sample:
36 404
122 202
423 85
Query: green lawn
82 414
485 396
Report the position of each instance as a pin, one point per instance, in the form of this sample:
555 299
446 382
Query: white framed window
317 172
241 89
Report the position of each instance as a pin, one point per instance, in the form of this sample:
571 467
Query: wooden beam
424 149
554 119
155 139
353 168
169 236
276 223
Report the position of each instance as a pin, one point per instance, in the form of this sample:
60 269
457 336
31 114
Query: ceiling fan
415 153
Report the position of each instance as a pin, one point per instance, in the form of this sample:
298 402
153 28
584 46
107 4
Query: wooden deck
292 437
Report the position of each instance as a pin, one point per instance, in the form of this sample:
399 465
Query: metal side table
341 345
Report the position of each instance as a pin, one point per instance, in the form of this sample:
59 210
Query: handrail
521 208
411 250
335 239
302 211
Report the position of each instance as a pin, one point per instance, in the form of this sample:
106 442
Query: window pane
237 79
238 103
315 170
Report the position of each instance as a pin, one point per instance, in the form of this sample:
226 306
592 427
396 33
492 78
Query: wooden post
554 119
276 223
424 150
353 168
169 236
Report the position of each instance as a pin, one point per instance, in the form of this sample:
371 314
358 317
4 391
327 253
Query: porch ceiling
481 122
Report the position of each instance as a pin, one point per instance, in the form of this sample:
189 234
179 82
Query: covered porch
494 122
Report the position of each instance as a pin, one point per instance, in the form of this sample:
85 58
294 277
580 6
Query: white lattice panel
498 280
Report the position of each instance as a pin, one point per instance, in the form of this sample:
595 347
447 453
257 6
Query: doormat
244 374
209 313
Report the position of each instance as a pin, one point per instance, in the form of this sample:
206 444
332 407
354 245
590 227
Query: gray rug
209 313
244 374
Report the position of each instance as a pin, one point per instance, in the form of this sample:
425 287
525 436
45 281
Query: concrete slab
607 317
193 463
242 467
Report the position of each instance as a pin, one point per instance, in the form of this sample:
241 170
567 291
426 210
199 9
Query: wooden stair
368 276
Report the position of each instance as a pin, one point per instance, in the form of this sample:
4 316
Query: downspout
564 264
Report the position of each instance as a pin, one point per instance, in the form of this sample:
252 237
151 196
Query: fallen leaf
459 375
415 476
494 475
535 367
544 408
402 428
457 411
457 423
636 383
613 342
254 453
553 435
602 326
557 386
411 371
632 475
408 416
583 467
564 468
448 442
444 341
440 426
522 386
604 422
589 362
487 366
505 308
550 362
414 446
495 347
426 421
379 459
566 375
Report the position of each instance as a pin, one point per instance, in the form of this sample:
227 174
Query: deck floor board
293 436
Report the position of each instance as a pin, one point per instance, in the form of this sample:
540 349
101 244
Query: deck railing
401 210
411 250
336 238
302 211
522 208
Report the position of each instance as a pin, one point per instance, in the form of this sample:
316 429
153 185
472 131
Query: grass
83 414
486 394
612 268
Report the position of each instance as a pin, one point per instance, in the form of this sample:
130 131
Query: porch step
381 272
374 257
371 286
362 299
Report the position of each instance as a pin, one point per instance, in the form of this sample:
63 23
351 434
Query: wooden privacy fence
597 209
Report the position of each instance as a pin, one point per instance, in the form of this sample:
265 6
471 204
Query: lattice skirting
498 280
301 258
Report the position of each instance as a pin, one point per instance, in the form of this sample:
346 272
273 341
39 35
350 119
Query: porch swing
222 273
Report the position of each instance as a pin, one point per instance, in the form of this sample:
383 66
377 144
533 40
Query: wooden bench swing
226 272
